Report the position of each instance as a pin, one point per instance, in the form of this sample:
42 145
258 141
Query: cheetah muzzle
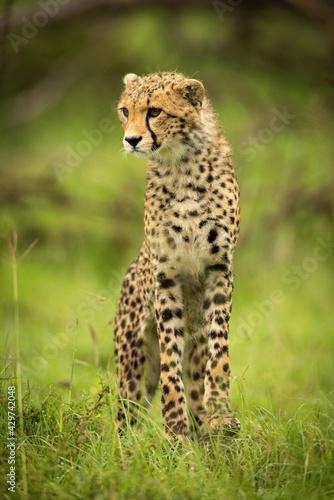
181 282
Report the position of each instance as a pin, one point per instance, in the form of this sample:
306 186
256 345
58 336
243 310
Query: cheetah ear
193 90
129 79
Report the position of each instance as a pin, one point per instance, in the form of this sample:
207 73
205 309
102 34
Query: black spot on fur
169 406
206 303
194 395
167 283
212 235
178 313
167 315
219 299
128 335
217 267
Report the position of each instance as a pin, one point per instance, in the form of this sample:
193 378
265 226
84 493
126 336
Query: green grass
74 451
90 227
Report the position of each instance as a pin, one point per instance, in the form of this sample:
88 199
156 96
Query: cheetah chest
187 236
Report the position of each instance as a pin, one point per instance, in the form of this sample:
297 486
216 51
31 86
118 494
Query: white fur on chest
184 207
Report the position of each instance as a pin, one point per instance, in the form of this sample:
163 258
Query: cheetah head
159 114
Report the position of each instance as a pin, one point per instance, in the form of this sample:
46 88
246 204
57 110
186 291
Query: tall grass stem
72 368
18 374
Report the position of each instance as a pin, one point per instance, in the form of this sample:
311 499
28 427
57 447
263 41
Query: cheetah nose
133 140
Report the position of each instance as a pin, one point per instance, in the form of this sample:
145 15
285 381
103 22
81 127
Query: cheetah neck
190 175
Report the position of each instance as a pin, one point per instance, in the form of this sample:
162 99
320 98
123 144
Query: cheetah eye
153 112
125 112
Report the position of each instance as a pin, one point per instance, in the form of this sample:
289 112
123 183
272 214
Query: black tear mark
154 137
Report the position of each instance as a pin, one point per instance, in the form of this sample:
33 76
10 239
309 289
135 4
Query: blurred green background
267 68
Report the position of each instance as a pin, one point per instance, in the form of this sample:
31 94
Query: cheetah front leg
198 347
170 326
217 310
197 364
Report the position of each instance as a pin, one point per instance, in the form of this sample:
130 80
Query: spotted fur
182 279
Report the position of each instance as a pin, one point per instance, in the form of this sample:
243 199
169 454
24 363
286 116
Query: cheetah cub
181 281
